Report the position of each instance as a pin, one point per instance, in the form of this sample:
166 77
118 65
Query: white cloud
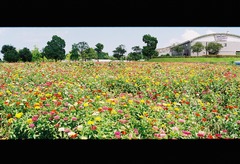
210 32
187 35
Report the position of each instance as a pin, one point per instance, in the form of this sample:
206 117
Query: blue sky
110 37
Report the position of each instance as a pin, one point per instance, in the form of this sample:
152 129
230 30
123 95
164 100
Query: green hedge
204 56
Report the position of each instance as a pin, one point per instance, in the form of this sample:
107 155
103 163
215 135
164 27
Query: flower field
119 100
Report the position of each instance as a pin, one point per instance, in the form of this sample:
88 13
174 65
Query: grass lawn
226 60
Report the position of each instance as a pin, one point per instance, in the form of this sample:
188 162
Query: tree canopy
119 51
149 50
55 49
10 53
213 48
197 47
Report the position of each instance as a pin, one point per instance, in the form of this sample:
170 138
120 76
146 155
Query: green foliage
91 53
119 51
11 56
178 49
36 55
213 48
10 53
74 52
25 54
136 55
55 49
150 50
197 47
82 46
6 48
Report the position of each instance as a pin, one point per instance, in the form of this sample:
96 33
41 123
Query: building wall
229 48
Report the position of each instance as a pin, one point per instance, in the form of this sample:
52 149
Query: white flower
79 127
95 113
61 129
84 138
70 134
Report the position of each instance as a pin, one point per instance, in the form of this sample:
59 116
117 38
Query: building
230 43
164 51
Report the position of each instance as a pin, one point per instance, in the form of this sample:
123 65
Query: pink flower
218 135
171 122
47 105
65 118
175 128
105 108
186 133
31 126
238 121
201 134
135 131
224 131
123 121
155 128
35 118
117 134
159 135
181 120
67 130
120 111
56 117
74 118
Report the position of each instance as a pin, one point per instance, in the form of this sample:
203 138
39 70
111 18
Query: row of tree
212 48
55 50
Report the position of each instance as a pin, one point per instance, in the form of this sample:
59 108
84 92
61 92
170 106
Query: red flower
204 119
209 136
93 127
123 132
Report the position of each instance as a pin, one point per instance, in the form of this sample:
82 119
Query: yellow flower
10 120
48 95
85 104
29 121
19 115
169 115
176 109
157 83
113 112
130 101
235 113
98 97
98 118
142 101
90 122
218 116
141 116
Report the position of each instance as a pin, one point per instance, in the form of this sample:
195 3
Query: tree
136 55
178 49
98 49
36 54
10 53
25 54
213 48
91 53
197 47
74 52
149 50
119 51
55 49
82 46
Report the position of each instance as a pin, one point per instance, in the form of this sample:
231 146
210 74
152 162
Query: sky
110 37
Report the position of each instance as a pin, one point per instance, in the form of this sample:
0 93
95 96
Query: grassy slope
194 59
